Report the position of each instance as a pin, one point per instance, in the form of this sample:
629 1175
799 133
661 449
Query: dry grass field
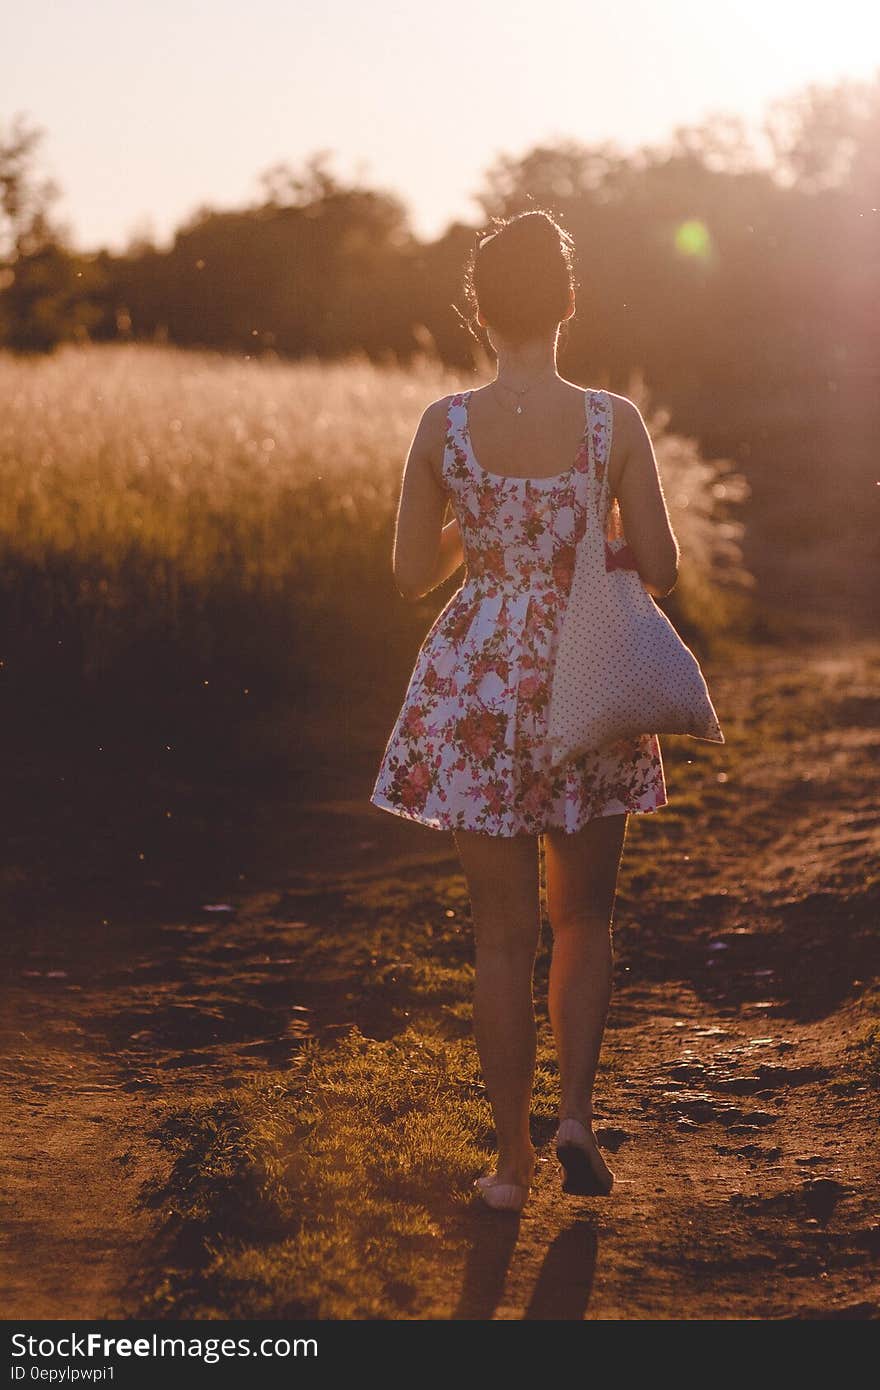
195 533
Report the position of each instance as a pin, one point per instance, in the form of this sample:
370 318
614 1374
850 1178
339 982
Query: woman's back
541 446
541 441
519 531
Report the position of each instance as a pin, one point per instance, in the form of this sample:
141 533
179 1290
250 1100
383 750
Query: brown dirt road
740 1113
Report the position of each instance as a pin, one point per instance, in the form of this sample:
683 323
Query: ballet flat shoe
577 1151
501 1196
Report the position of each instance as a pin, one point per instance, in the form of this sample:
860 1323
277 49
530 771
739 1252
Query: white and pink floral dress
468 750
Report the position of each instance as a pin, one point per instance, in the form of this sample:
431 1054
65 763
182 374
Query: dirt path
737 1195
740 1109
73 1162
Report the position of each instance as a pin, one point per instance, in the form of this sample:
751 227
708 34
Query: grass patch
318 1192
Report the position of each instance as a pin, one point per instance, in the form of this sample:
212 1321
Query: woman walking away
522 461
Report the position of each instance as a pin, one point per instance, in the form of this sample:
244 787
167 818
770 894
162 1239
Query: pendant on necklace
519 410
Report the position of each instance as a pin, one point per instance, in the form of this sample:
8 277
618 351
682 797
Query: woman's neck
521 364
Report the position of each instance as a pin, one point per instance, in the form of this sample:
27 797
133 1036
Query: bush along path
270 1106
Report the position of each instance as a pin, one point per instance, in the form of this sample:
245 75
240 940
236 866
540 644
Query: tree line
717 271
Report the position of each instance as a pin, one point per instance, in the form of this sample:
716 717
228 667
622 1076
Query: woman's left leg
582 872
503 880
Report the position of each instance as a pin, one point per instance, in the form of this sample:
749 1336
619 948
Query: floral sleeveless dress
468 750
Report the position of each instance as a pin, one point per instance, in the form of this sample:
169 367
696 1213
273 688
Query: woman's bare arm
635 481
425 551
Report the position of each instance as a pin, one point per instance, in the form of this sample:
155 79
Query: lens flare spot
692 239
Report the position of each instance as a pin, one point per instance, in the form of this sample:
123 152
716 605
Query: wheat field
171 517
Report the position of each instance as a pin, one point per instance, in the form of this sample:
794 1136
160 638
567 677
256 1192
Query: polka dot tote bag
621 668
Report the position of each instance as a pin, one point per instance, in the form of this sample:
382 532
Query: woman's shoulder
628 427
431 434
432 426
436 413
623 409
625 419
621 405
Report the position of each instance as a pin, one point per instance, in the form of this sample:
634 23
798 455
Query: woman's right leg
504 887
582 872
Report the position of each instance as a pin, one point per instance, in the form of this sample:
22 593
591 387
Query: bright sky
152 107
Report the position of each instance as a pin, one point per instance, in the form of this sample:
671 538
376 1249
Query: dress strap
454 445
455 416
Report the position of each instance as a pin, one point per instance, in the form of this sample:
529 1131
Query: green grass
321 1191
328 1182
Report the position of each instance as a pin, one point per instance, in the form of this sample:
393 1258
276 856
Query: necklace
523 391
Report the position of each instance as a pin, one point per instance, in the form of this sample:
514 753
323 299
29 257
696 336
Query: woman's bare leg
504 886
582 872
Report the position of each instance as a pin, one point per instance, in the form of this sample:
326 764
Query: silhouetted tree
314 267
45 292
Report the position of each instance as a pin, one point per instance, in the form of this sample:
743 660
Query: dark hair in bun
520 275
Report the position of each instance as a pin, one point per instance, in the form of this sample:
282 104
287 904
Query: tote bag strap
600 415
617 552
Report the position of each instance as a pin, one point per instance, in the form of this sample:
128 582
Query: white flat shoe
586 1174
501 1196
